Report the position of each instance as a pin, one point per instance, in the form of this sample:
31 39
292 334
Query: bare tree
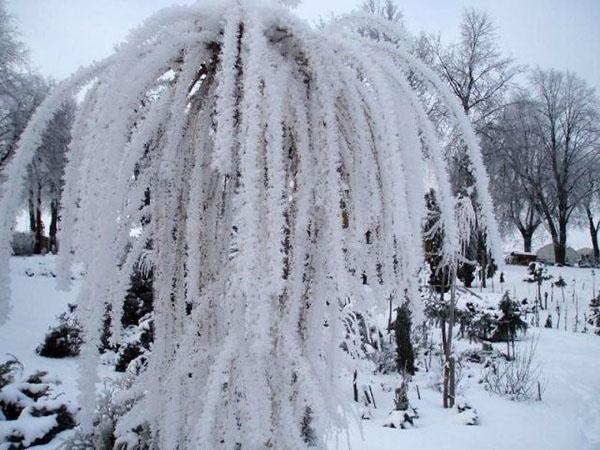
13 59
512 159
590 207
388 9
475 69
52 157
567 125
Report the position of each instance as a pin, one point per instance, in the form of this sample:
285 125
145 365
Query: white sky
564 34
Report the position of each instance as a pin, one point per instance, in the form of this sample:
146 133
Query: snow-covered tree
477 72
246 157
590 206
20 90
479 76
514 166
567 114
45 177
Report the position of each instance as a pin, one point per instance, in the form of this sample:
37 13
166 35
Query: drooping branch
266 170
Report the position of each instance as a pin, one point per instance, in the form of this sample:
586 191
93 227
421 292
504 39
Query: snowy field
568 417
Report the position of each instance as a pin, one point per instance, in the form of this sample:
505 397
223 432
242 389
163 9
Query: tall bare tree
45 177
13 59
590 207
513 163
479 75
567 126
475 69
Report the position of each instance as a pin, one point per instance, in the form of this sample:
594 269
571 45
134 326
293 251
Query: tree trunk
558 252
527 238
482 257
449 391
445 369
560 247
38 248
52 242
31 206
593 234
594 237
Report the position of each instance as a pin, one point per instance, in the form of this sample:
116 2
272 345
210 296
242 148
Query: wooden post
372 397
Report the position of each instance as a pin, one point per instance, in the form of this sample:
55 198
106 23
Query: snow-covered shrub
403 415
436 373
139 298
519 378
561 283
467 415
23 243
64 339
510 323
137 322
538 273
475 322
8 370
401 419
113 401
364 340
594 317
30 412
136 343
466 273
106 342
405 356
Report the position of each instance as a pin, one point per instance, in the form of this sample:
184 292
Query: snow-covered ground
568 417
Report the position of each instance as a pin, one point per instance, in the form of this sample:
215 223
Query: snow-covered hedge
23 243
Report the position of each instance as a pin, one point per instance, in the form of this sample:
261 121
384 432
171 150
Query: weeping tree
250 153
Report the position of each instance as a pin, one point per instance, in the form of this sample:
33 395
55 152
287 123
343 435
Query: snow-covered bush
401 419
23 243
475 322
30 412
405 356
467 415
363 339
8 370
519 378
436 373
64 339
135 345
403 415
111 406
510 323
137 322
139 298
594 318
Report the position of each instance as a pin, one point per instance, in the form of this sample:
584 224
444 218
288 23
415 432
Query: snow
568 417
29 427
37 303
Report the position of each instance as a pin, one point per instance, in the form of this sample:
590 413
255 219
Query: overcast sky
564 34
